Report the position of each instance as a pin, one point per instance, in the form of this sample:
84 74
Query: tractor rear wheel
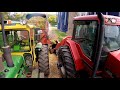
65 63
43 60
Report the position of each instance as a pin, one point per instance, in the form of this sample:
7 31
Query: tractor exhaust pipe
6 49
99 44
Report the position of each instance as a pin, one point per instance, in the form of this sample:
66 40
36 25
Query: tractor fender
62 42
75 54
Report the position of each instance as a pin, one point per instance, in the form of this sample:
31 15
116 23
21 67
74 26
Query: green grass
60 34
54 28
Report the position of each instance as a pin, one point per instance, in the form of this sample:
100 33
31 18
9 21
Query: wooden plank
35 73
42 75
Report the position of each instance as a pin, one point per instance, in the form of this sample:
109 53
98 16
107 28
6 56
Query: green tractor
18 53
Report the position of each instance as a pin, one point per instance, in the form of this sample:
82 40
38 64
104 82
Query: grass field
59 34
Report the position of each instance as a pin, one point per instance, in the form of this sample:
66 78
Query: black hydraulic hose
3 31
99 44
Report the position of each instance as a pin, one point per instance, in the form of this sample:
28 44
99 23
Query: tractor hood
113 63
11 72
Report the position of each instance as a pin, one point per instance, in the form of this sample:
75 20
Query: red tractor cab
93 50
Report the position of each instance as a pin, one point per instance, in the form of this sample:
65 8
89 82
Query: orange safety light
9 22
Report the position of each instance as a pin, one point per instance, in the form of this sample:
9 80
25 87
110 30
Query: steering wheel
22 37
21 40
85 39
89 50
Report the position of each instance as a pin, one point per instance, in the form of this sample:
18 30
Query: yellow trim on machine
22 27
16 27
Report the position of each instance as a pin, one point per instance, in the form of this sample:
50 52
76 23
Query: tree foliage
6 15
15 16
52 19
38 22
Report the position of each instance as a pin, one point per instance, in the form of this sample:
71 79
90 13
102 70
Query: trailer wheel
65 63
43 60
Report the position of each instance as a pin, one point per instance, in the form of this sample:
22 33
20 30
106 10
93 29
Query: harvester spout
6 49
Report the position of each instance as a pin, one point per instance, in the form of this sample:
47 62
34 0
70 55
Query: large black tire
43 60
66 64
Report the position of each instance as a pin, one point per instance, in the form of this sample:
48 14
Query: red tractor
93 51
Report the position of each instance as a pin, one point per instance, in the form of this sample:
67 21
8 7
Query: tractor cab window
84 34
17 40
112 37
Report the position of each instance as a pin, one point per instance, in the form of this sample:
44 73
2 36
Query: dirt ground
54 73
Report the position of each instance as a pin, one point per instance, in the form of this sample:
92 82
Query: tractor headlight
114 20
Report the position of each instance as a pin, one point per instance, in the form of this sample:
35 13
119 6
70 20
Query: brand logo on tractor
110 20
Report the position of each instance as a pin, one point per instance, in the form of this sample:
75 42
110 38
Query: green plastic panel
16 47
13 71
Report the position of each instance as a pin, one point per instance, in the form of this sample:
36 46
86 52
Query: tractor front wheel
65 63
43 60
